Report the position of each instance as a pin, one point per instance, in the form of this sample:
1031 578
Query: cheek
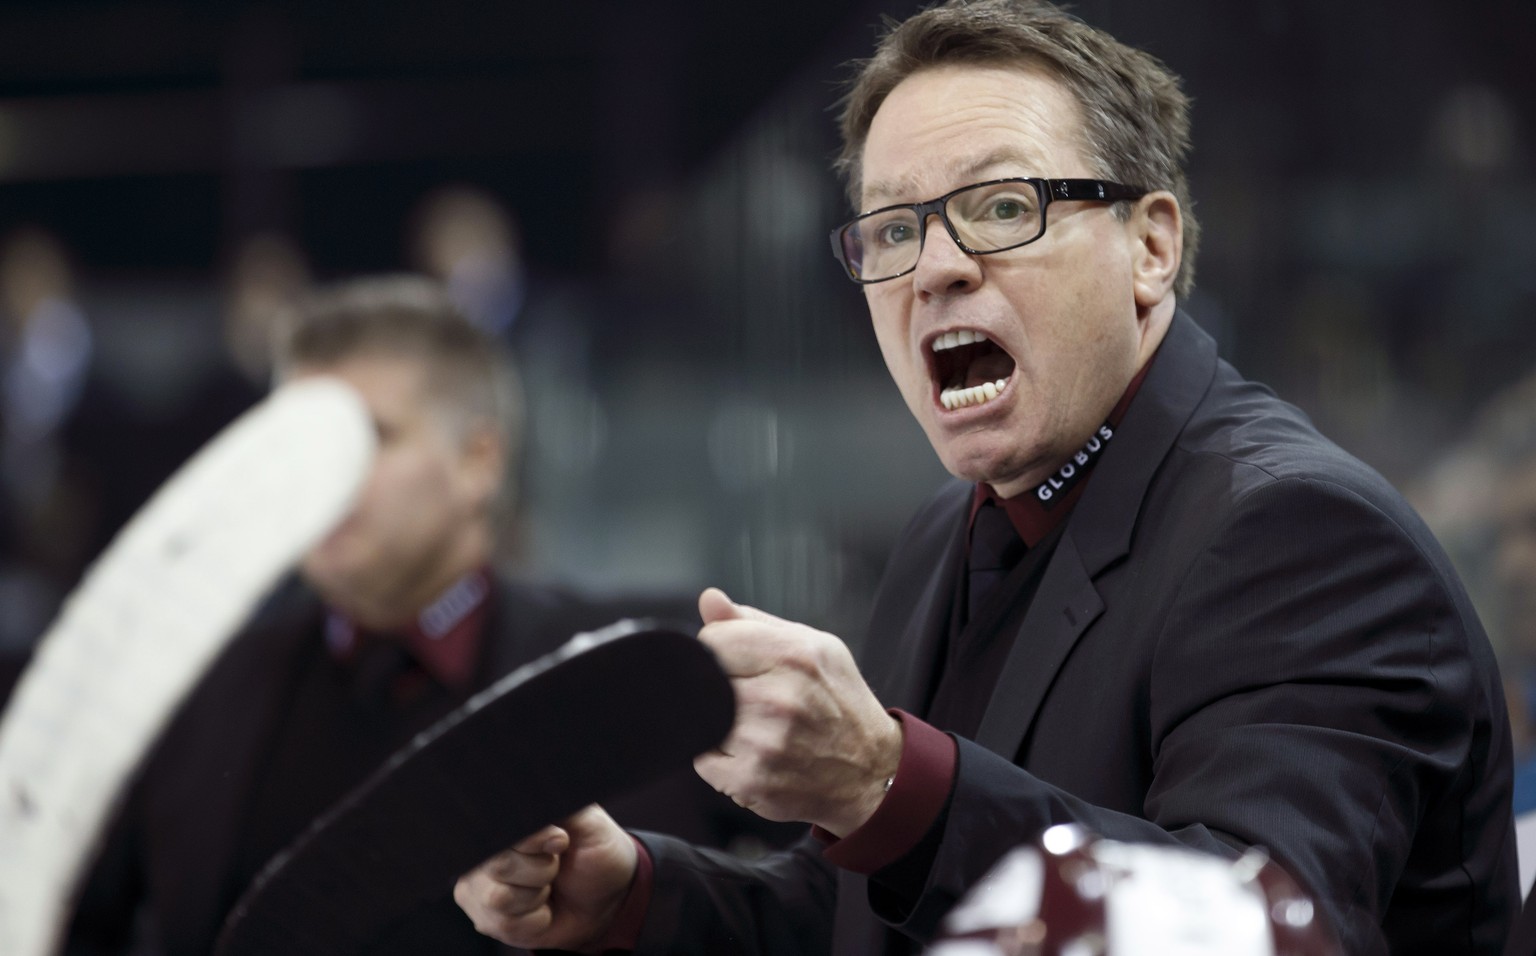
380 492
401 484
375 492
440 487
887 317
894 355
1087 332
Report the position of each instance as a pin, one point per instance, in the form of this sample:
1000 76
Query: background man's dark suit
178 843
1244 637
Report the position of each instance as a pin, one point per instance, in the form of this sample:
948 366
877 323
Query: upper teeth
951 339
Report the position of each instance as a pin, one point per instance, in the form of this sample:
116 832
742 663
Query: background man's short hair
1135 115
409 316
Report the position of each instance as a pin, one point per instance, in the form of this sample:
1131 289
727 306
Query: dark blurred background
642 195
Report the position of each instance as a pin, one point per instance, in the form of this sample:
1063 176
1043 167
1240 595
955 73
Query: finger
750 648
551 839
589 825
520 901
525 869
506 902
708 766
722 772
512 916
716 605
516 868
731 778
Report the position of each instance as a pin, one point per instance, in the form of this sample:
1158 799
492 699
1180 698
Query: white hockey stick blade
145 622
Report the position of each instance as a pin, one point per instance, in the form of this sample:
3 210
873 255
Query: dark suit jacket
1244 637
174 845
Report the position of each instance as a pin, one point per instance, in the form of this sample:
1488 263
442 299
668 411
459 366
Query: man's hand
811 742
558 889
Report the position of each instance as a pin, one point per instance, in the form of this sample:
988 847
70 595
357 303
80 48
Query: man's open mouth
969 369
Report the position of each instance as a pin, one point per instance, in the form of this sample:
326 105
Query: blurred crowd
1480 498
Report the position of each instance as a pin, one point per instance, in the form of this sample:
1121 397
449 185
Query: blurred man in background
399 618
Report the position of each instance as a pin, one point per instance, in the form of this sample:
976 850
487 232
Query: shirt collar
444 639
1036 513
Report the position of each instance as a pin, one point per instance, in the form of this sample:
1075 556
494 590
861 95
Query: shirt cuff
918 792
624 932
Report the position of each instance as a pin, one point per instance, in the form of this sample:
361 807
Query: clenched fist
811 741
558 889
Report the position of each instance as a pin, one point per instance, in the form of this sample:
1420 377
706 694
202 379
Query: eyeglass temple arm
1092 189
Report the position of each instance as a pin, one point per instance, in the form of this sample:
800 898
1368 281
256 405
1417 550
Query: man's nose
944 268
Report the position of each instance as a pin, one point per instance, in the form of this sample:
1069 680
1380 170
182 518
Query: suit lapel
1065 604
1098 534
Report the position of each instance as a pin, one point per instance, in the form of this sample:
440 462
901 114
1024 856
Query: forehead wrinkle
985 166
960 172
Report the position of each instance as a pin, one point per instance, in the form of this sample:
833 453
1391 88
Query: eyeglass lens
988 217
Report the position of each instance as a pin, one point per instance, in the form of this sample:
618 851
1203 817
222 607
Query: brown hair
1135 124
411 317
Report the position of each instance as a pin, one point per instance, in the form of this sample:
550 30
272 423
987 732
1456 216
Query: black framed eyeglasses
987 217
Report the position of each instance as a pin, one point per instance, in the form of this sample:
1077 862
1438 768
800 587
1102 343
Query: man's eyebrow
884 192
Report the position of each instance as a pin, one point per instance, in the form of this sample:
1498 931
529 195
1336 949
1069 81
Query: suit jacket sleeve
706 902
1313 689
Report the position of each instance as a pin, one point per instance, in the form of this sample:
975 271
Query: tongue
988 368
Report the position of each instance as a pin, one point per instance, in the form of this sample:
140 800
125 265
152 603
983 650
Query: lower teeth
953 398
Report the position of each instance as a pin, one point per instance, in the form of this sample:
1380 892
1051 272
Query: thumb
715 605
589 825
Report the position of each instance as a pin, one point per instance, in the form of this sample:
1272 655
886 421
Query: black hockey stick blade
608 712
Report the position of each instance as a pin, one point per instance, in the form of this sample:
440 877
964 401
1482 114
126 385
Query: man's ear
485 461
1157 231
